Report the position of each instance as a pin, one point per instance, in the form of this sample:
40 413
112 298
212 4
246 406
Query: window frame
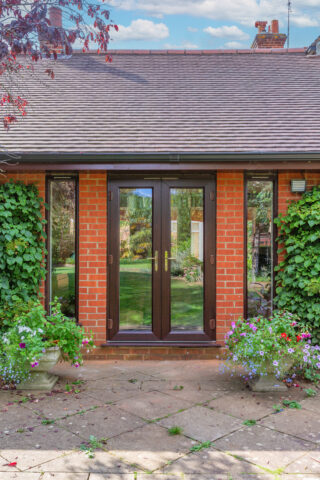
267 176
49 179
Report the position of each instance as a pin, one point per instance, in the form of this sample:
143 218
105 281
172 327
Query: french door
161 259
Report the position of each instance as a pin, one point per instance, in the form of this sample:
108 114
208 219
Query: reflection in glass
135 263
63 243
260 248
187 251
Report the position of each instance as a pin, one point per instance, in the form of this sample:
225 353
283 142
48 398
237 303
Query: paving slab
89 371
149 447
20 476
192 394
40 445
303 476
104 422
245 404
264 447
64 476
113 391
202 424
153 405
111 476
16 417
211 461
7 396
79 462
62 404
302 423
308 464
312 403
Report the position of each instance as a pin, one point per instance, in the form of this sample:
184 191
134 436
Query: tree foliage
26 31
22 243
298 277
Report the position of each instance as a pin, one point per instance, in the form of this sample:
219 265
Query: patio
128 408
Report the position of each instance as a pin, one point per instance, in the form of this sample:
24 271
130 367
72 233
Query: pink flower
77 364
34 364
22 345
85 341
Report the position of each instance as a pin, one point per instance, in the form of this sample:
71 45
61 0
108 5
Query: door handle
166 260
156 260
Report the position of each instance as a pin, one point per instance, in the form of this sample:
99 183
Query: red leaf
116 28
12 464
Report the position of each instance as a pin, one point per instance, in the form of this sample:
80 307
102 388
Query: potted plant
34 342
268 349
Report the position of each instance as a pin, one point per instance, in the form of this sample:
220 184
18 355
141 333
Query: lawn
135 299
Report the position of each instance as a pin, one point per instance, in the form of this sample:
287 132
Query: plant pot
269 382
40 379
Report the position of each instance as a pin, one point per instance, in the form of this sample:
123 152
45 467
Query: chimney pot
261 26
275 26
55 17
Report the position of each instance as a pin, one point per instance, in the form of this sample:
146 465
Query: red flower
298 338
283 335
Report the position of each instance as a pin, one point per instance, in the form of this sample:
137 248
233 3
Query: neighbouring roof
206 102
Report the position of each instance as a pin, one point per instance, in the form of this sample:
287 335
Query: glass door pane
135 291
259 247
186 259
62 244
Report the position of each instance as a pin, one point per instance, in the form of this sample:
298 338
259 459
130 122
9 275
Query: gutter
168 157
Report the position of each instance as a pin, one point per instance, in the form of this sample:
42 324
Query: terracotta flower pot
40 379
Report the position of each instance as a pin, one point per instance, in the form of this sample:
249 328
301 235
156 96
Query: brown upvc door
161 260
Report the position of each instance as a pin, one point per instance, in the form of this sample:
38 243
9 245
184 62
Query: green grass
136 300
175 430
249 423
197 448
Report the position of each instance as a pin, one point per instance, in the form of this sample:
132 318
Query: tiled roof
176 102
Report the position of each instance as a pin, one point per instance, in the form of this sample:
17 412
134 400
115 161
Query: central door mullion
166 250
157 262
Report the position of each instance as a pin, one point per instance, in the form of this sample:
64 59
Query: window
260 240
62 242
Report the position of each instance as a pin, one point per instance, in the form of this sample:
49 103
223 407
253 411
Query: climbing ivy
298 277
22 243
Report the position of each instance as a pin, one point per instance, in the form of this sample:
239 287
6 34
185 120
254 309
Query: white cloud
192 29
234 45
226 31
245 12
304 21
183 46
141 29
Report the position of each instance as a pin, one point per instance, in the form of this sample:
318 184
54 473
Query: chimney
271 38
55 17
275 26
53 47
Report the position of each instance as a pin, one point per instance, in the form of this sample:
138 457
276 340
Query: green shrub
32 332
298 277
22 244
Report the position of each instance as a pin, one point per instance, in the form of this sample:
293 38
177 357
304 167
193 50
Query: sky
208 24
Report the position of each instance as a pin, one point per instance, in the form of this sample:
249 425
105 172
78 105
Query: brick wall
230 254
93 252
285 194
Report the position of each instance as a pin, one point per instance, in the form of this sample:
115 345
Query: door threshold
189 344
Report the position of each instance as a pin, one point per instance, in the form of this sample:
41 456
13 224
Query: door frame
160 334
